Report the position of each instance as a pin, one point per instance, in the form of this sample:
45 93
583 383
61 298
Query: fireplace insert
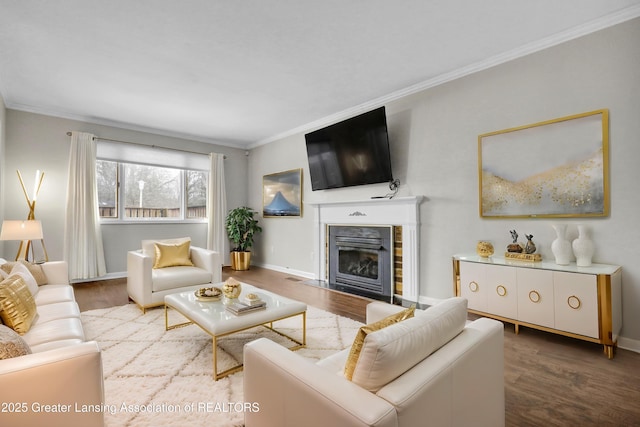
360 260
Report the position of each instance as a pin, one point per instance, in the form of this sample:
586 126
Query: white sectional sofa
61 382
435 369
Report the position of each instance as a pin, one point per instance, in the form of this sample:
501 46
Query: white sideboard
579 302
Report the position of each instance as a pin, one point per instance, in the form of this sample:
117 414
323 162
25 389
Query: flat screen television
352 152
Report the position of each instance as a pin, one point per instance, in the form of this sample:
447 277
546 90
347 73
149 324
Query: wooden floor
550 380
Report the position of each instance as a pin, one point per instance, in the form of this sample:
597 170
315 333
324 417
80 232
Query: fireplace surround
400 211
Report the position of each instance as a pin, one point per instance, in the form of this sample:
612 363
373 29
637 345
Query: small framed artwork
282 194
556 168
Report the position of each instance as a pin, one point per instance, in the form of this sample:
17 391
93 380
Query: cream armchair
434 369
147 286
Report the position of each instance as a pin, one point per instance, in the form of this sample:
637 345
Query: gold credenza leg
517 328
608 350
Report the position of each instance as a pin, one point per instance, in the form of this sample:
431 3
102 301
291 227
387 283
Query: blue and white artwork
282 194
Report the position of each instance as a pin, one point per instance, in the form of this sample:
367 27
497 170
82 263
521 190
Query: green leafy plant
241 227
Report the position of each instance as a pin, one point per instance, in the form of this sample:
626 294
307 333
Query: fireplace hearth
360 260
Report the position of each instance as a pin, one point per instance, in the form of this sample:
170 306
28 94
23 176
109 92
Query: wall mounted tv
352 152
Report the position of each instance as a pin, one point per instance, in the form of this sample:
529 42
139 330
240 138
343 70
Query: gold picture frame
555 168
282 194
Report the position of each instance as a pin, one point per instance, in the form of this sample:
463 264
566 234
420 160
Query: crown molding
243 145
537 46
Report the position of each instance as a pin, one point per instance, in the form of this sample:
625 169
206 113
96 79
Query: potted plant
241 227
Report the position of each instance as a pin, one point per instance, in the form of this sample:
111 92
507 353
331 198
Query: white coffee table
215 320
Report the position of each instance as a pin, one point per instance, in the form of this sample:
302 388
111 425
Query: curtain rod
146 145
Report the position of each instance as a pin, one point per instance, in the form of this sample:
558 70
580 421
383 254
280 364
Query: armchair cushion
149 246
172 254
358 342
388 353
179 277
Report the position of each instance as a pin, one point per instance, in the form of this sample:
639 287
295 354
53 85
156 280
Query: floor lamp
28 230
25 232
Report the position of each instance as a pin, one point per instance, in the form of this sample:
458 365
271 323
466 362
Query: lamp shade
21 230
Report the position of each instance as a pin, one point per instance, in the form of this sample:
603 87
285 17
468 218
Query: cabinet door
472 285
576 303
535 296
502 294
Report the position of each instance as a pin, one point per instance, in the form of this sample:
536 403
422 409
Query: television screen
352 152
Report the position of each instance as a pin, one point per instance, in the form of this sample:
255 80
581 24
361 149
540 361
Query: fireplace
402 212
360 260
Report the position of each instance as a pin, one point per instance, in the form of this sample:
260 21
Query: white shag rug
154 377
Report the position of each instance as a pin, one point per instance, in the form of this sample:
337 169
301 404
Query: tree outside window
150 191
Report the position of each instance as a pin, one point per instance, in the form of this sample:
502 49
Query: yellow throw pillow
354 354
171 255
18 308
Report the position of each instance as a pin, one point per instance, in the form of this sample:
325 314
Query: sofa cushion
356 347
17 306
34 269
51 294
172 255
388 353
54 330
178 277
12 344
52 345
58 310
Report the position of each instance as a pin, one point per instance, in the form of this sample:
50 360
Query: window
140 192
107 177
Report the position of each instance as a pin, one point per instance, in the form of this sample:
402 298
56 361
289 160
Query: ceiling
247 72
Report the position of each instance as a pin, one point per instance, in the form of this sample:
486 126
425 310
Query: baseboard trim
108 276
286 270
629 344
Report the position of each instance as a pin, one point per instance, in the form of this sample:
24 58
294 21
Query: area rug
154 377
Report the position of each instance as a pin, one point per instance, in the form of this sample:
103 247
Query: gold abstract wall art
555 168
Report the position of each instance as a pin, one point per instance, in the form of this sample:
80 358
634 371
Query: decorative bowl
208 294
231 288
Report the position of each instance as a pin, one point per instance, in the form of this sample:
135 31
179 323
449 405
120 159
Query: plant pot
240 260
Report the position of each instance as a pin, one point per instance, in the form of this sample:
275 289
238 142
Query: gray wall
3 121
433 137
35 141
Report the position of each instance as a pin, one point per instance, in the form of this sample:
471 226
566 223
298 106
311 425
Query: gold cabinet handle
574 302
534 297
473 286
501 290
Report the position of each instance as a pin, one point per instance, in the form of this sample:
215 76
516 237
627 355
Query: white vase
583 247
561 247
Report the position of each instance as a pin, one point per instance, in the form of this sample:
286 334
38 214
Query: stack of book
242 308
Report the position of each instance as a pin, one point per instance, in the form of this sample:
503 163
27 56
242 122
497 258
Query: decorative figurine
484 249
515 246
530 247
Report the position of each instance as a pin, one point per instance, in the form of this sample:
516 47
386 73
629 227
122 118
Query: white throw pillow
388 353
22 271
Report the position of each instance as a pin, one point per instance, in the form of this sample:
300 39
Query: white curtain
83 248
217 210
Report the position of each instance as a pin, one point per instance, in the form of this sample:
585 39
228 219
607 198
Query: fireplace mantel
404 211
